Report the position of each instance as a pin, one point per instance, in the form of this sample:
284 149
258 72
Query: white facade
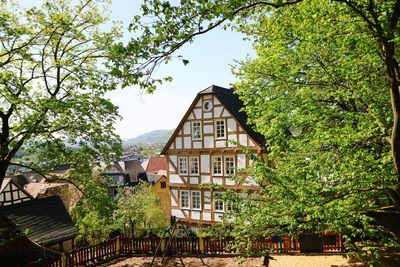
205 149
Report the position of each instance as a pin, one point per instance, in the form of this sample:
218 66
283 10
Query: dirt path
277 261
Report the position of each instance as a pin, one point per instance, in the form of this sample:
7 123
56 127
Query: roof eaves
171 139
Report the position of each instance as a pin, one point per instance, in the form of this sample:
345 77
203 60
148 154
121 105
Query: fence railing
128 246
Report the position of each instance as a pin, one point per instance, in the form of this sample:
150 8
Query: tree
53 77
138 208
318 93
172 26
93 213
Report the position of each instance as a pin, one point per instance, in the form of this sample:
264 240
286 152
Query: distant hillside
154 137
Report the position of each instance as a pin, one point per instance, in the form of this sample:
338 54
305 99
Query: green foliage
139 209
318 92
93 214
52 81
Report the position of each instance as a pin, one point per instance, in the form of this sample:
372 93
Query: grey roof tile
45 220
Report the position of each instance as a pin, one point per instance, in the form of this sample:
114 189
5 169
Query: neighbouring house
44 222
207 148
133 168
159 186
125 173
157 165
12 193
131 173
118 177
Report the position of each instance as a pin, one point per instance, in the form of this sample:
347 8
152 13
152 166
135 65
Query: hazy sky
210 57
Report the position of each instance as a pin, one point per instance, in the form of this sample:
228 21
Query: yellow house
160 188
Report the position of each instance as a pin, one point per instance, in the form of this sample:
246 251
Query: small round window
207 105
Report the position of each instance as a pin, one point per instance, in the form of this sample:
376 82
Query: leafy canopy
138 208
53 77
318 92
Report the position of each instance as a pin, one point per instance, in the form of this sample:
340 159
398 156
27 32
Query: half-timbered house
11 193
207 147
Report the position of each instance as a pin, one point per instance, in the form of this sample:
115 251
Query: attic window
163 184
220 129
207 105
196 129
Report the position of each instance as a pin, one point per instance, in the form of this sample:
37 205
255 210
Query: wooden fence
128 246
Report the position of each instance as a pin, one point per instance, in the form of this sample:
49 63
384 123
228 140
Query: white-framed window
183 165
185 199
220 129
196 200
196 130
229 165
194 165
218 204
217 165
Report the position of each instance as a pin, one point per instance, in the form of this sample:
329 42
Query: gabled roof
5 182
155 164
153 178
232 103
147 178
45 220
133 168
20 180
8 180
114 169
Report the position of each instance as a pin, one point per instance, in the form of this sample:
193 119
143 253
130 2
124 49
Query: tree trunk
3 169
393 75
132 230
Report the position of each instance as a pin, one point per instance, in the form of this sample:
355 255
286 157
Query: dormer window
220 129
196 130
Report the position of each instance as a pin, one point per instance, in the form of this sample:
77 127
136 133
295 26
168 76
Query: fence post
118 246
162 245
201 245
63 260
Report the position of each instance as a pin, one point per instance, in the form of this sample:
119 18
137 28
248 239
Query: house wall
13 194
207 148
63 246
164 195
